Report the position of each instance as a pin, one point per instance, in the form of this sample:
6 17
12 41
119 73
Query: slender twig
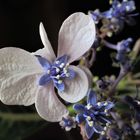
93 57
20 117
82 132
85 59
109 45
122 74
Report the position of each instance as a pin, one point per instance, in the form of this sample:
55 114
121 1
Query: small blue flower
123 48
120 9
135 104
113 20
96 15
114 134
56 72
94 114
68 123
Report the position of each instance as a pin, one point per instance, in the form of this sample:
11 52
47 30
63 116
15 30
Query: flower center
57 72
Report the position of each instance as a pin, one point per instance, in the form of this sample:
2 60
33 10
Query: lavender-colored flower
120 9
113 20
57 72
114 134
135 104
128 130
20 70
96 15
123 48
102 137
94 114
68 123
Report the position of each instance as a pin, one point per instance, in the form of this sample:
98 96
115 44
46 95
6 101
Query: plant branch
109 45
20 117
122 74
82 132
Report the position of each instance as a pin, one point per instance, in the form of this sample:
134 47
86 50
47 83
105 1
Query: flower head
114 133
68 123
113 19
56 72
120 9
94 114
28 78
123 48
96 15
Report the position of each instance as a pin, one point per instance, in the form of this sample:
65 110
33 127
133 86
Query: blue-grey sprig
68 123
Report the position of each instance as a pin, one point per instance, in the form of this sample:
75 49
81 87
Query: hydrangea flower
96 15
113 19
135 104
114 134
120 9
122 48
26 79
68 123
94 114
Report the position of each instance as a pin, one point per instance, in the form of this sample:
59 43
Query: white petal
89 75
18 71
48 105
47 51
76 35
75 89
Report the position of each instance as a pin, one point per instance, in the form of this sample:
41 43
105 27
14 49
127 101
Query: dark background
19 24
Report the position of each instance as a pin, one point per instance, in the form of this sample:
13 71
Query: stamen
88 118
127 8
105 110
138 102
57 69
103 132
119 5
67 64
133 7
107 124
88 106
106 103
90 123
67 75
65 70
58 76
107 114
99 103
110 2
59 82
62 65
105 128
48 71
109 34
56 62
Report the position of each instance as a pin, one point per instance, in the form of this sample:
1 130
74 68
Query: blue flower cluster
114 18
94 114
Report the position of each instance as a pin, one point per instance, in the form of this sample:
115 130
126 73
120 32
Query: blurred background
19 27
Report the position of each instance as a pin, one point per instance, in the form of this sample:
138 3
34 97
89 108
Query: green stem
123 73
20 117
